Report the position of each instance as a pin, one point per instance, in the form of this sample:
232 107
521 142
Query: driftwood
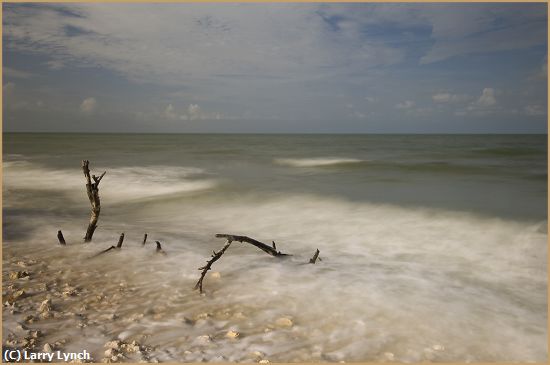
271 250
314 258
61 238
159 249
144 239
215 257
117 247
92 188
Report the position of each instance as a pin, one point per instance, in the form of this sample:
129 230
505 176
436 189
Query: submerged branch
61 238
262 246
314 258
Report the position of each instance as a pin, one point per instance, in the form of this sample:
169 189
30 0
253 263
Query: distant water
433 246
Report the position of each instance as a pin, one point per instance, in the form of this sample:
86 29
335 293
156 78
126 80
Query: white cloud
405 105
55 64
13 73
445 97
534 110
145 42
8 88
169 112
486 104
88 105
194 112
487 98
370 99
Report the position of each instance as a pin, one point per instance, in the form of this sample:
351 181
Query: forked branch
92 189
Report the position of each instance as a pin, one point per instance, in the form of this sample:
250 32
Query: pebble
113 344
48 348
204 339
14 275
46 306
232 334
284 322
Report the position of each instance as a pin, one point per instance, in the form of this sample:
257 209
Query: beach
433 247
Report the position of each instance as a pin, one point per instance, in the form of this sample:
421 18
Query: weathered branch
61 238
215 257
120 240
144 239
117 247
314 258
262 246
92 189
159 249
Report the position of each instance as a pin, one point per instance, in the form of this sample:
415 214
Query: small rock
202 316
48 348
70 291
110 352
264 361
284 322
232 334
204 339
113 344
46 306
14 275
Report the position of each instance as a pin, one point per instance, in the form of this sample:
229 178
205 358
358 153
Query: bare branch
144 239
61 238
92 189
314 258
262 246
159 249
215 257
120 240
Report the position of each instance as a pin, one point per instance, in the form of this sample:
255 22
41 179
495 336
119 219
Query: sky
275 68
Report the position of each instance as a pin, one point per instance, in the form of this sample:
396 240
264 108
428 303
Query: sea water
433 247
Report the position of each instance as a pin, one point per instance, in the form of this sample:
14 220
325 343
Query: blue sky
283 68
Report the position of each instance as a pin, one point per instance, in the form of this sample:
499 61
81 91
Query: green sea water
433 246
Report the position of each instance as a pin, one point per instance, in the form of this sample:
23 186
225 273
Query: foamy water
316 162
396 283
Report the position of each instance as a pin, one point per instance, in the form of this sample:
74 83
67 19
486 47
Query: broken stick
117 247
61 238
144 239
92 188
262 246
159 249
314 258
215 257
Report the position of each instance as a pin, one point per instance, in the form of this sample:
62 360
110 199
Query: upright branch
159 249
271 250
215 257
92 188
144 239
120 240
61 238
314 258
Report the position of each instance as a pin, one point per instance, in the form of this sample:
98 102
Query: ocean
433 247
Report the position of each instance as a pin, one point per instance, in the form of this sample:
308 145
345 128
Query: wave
317 162
120 184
